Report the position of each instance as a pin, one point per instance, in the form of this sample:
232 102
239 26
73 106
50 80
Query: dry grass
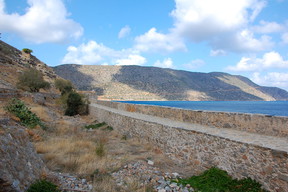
41 112
72 149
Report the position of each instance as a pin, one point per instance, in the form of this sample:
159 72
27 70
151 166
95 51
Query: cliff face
151 83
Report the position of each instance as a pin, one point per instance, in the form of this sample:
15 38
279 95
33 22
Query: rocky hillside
13 62
151 83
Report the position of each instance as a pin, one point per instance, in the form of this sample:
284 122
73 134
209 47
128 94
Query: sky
245 37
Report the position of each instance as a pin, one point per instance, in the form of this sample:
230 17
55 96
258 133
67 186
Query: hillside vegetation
152 83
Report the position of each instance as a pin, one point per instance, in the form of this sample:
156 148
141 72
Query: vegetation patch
43 186
100 150
109 128
96 126
26 50
218 180
20 110
32 80
73 102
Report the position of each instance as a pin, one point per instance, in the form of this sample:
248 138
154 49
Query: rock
150 162
175 175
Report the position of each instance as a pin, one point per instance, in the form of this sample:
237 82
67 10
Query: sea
271 108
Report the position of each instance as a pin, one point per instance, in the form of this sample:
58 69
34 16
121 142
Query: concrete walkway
271 142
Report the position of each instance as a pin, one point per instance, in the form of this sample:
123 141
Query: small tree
74 102
26 50
63 85
32 80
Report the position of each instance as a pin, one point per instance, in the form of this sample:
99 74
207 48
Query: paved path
271 142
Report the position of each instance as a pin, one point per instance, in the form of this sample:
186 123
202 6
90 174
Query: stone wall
20 165
267 165
253 123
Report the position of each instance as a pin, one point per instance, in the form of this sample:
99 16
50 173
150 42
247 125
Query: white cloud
201 19
273 79
166 63
131 60
268 27
285 38
269 60
152 41
43 21
194 64
218 52
124 32
95 53
224 24
242 41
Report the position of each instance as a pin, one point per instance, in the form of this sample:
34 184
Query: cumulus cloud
224 24
273 79
124 32
201 19
131 60
241 41
94 53
194 64
43 21
268 27
153 41
269 60
166 63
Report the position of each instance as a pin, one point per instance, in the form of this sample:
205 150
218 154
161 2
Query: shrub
216 179
75 104
26 50
95 126
43 186
20 110
32 80
100 151
63 85
74 101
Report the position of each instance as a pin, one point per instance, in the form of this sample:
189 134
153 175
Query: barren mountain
152 83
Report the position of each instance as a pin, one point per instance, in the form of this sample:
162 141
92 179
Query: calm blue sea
274 108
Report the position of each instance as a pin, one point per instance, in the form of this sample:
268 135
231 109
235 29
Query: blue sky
247 37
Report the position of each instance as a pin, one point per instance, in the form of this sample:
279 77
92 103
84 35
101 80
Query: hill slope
13 62
152 83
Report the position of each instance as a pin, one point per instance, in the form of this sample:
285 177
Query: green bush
32 80
43 186
74 101
63 85
26 50
95 126
20 110
216 179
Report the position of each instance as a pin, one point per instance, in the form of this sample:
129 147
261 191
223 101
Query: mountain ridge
153 83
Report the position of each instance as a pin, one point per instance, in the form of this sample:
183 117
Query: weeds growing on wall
216 179
20 110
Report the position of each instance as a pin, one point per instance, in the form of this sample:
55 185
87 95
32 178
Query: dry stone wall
20 165
202 150
253 123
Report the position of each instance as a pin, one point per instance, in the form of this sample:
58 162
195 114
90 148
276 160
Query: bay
273 108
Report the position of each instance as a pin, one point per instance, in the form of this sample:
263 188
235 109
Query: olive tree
32 80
